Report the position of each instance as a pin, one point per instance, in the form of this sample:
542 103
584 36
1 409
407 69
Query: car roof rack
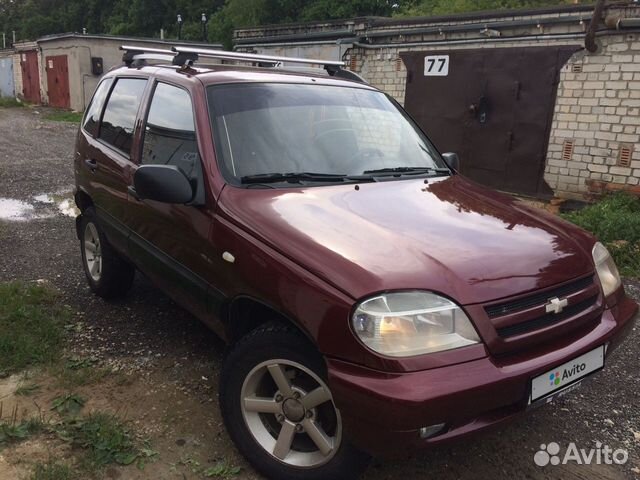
187 56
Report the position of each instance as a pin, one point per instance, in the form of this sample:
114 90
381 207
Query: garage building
63 70
529 109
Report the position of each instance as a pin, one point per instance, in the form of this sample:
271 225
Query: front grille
501 309
547 319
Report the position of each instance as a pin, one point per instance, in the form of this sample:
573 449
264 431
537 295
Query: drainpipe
620 22
590 37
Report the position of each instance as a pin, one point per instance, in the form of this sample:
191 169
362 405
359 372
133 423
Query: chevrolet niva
374 300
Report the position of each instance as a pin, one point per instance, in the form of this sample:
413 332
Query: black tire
268 342
115 277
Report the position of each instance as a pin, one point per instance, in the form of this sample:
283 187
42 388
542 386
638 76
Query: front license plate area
564 376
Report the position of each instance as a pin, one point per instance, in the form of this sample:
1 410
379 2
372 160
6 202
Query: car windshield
278 131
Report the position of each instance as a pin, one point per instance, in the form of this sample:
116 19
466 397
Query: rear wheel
108 274
279 409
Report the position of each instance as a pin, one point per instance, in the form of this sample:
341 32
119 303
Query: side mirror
452 160
163 183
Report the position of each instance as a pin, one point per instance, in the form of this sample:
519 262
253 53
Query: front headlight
404 324
606 269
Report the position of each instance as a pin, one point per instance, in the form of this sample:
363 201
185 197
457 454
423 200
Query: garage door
58 81
492 106
30 76
6 77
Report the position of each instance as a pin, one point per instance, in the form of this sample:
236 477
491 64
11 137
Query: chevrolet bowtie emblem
556 305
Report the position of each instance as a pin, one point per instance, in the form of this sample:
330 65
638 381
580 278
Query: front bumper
383 412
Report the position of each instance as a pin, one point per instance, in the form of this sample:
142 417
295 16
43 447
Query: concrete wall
79 50
598 102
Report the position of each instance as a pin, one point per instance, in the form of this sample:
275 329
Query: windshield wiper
408 170
293 177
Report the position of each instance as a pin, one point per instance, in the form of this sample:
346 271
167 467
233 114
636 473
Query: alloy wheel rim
290 413
93 251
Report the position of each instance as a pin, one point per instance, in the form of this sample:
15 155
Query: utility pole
14 37
4 40
179 26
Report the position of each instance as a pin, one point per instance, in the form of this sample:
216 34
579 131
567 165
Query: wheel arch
245 313
83 201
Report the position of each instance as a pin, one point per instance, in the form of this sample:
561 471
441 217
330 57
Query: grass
222 469
27 389
64 116
31 326
52 471
615 220
12 431
69 404
105 439
78 372
10 102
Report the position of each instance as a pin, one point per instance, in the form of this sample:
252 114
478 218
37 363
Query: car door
170 242
108 155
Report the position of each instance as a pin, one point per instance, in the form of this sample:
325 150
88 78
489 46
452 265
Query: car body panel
448 235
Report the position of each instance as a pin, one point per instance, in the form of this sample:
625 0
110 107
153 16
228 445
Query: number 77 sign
436 66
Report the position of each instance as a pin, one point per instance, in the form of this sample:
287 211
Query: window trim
111 147
104 104
138 160
145 119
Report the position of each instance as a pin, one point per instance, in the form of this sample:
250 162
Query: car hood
447 235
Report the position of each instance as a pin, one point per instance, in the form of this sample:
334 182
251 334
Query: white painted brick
622 58
623 137
598 168
593 85
605 136
619 171
617 47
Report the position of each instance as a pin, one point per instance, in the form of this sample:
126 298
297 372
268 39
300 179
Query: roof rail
254 58
187 56
134 53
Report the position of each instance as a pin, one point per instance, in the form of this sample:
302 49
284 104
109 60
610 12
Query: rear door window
170 134
118 121
92 117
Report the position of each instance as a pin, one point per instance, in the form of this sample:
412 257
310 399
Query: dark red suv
375 301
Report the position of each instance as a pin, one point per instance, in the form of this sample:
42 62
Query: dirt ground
171 362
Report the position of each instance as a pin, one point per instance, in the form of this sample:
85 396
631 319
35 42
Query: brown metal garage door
492 106
30 76
58 81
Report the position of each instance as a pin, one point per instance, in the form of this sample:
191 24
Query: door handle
132 191
91 163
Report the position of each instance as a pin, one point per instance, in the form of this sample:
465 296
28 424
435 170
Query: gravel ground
149 334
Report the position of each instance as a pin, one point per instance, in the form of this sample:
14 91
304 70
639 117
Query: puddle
11 209
45 205
68 208
44 198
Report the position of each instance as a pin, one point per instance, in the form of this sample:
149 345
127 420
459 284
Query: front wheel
108 274
279 409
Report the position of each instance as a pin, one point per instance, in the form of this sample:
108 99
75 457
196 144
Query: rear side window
170 134
92 117
119 117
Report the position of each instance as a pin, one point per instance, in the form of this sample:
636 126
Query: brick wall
597 109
